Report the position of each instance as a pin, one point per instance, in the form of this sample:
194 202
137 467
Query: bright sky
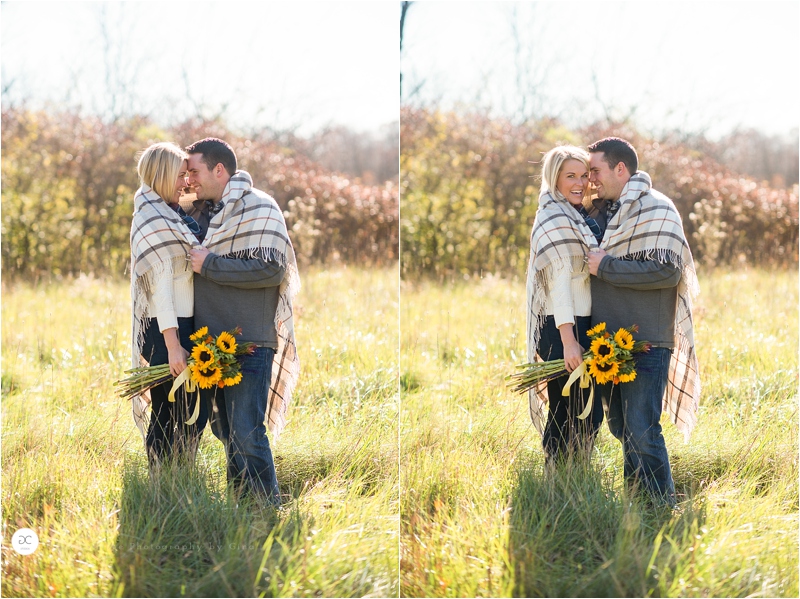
283 64
692 65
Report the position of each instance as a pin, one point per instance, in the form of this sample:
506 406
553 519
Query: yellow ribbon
580 373
190 385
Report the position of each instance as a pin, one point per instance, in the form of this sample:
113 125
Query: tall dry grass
74 468
479 517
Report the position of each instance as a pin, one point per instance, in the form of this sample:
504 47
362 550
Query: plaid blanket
560 239
160 241
250 224
647 226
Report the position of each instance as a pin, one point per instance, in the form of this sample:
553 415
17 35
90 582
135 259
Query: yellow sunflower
624 339
235 380
603 350
199 334
627 378
202 355
602 372
206 377
596 330
226 343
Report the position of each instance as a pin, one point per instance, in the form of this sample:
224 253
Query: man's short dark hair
214 152
616 150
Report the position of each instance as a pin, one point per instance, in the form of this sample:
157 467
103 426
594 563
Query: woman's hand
573 355
573 352
177 355
177 360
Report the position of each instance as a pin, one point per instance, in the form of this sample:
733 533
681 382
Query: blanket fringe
141 291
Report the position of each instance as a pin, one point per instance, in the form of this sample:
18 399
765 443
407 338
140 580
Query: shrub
68 183
470 186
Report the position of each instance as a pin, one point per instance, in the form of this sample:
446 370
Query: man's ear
218 169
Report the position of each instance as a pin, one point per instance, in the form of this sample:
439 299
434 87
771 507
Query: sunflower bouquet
611 356
609 359
213 362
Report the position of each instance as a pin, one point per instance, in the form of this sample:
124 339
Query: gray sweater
645 293
231 292
235 292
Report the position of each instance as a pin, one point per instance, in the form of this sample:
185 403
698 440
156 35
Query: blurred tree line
68 182
470 185
773 158
373 157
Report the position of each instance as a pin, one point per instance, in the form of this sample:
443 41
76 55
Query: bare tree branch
404 6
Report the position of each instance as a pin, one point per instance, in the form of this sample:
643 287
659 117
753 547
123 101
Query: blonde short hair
555 159
159 166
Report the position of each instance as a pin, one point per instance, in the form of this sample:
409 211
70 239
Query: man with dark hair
213 151
212 162
246 277
644 275
616 150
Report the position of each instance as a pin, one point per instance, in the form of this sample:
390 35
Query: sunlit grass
74 468
480 518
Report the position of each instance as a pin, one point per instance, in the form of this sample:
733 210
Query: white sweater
172 298
570 296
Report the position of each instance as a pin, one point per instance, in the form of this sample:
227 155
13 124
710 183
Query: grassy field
74 468
480 518
477 515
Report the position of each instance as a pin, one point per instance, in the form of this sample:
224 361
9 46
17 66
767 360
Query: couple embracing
220 262
621 259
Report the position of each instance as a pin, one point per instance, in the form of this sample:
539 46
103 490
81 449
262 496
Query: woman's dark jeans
564 433
167 435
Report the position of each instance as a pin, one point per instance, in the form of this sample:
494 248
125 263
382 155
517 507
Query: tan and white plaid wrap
647 226
560 238
251 225
160 241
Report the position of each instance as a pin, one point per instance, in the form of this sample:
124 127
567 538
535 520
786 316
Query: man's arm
643 275
243 273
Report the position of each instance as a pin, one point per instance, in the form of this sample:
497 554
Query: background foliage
68 182
470 184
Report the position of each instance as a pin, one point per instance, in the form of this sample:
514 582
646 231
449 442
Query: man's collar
600 203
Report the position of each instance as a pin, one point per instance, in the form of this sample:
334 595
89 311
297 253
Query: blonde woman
559 298
163 298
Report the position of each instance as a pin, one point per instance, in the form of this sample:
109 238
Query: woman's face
180 182
573 178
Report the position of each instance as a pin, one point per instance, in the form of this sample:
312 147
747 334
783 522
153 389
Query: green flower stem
536 373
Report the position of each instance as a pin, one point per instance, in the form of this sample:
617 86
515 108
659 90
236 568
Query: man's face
608 181
207 184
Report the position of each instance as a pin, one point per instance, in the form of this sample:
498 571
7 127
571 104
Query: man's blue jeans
634 415
236 415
